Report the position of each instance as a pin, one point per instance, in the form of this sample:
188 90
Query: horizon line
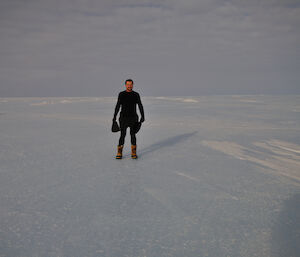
152 96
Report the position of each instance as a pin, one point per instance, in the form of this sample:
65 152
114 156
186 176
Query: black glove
142 120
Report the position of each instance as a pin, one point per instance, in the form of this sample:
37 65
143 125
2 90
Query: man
128 99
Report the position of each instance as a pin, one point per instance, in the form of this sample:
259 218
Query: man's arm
141 108
117 108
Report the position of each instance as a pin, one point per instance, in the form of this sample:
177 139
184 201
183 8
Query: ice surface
216 176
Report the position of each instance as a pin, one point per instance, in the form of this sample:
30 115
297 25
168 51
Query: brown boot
119 154
133 152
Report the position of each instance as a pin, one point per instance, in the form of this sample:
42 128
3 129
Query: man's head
129 85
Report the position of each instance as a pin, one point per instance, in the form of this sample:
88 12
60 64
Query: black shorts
126 122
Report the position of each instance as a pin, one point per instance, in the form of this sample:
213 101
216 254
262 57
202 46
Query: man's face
129 86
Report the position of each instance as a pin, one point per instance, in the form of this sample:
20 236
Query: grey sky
168 47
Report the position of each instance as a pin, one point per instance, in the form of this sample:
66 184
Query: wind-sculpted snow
282 157
216 176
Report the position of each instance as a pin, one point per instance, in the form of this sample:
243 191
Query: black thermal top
128 101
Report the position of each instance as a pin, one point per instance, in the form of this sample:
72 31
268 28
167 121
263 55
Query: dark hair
129 80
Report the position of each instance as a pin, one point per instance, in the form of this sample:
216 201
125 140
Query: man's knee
132 132
123 130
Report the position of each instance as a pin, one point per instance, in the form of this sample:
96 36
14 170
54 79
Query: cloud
55 47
